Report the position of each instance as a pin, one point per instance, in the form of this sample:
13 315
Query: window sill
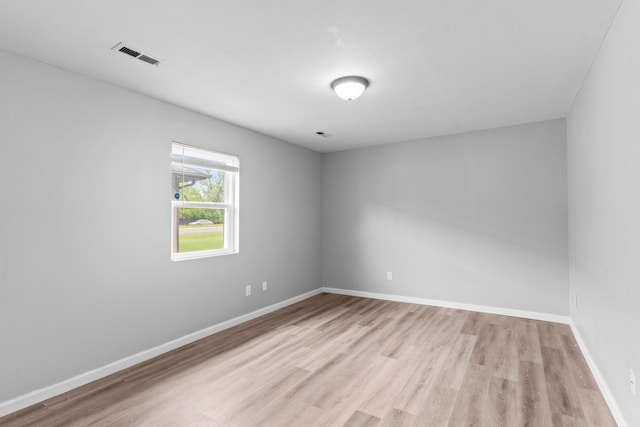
201 254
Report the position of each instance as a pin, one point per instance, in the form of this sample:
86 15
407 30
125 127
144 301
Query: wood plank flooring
334 360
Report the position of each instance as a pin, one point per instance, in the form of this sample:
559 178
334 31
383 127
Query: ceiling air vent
136 53
323 134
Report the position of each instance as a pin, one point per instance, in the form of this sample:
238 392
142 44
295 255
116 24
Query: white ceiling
436 66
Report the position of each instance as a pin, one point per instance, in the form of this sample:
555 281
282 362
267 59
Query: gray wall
478 218
85 275
604 208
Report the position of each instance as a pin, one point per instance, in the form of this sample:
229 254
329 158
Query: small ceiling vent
136 53
323 134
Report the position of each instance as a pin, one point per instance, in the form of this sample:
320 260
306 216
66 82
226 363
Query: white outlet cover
264 286
248 290
389 275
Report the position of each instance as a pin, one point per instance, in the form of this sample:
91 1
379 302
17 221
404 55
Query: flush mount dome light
350 87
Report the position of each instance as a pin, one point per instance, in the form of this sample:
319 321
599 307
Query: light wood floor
342 361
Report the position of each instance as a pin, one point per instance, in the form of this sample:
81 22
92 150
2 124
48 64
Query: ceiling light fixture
350 87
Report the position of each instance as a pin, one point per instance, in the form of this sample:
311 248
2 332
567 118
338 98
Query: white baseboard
457 305
604 388
42 394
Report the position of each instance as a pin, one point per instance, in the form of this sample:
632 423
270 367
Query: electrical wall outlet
632 381
264 285
389 275
247 290
575 299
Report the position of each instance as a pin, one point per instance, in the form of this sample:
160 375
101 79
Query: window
204 203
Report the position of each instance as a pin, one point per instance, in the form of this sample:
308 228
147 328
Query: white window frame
228 163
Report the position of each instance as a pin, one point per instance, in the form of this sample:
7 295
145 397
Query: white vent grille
136 53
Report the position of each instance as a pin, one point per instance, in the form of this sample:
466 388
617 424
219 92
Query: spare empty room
294 213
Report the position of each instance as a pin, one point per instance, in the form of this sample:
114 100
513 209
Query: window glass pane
200 229
197 184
